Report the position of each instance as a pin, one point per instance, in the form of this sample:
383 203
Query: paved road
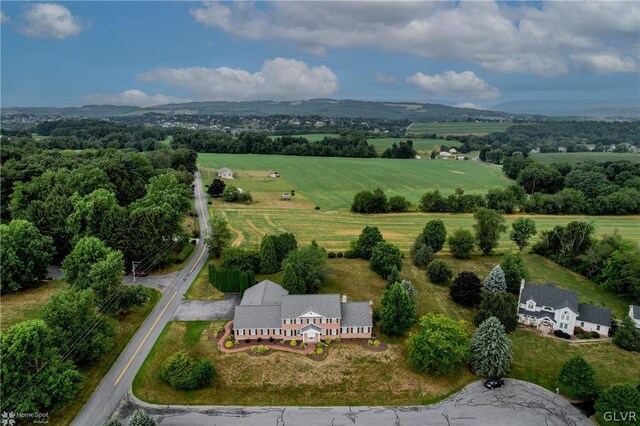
518 403
117 383
207 310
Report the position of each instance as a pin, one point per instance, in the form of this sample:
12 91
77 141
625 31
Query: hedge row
231 280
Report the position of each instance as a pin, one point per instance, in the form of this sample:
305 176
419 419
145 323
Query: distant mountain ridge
620 108
322 107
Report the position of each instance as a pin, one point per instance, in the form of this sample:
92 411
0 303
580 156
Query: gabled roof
635 312
327 305
548 295
594 314
355 314
264 293
247 316
310 327
225 170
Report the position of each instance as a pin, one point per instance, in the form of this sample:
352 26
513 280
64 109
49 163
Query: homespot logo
10 418
620 416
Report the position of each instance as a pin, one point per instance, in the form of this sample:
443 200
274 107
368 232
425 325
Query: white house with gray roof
550 308
268 311
634 313
225 173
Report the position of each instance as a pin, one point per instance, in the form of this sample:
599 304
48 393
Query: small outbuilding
453 151
274 174
285 197
225 173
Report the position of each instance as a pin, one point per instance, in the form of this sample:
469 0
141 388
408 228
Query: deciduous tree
398 312
489 225
219 236
577 378
620 400
515 270
501 305
522 229
384 257
439 272
466 289
369 237
435 234
461 243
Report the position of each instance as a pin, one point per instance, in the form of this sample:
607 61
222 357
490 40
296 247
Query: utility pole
133 269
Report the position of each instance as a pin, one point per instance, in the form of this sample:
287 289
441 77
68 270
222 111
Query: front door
310 337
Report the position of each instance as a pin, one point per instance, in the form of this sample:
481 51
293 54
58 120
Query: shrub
461 243
376 343
384 257
423 256
229 344
578 330
595 335
236 342
328 341
271 339
259 349
350 254
293 343
439 272
259 339
331 255
317 207
627 336
466 289
370 342
339 254
217 329
230 337
577 378
182 372
319 351
184 253
618 399
247 340
312 352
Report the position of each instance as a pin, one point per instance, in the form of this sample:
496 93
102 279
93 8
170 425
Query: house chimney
344 298
520 293
370 307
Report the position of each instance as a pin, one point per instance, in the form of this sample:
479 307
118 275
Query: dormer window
547 308
531 305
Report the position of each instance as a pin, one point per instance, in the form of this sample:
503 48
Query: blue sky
145 53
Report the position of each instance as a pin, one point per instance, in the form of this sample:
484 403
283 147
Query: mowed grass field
459 128
581 157
422 146
352 375
331 182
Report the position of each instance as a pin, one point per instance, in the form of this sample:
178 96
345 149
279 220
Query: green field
458 128
577 157
331 182
311 137
422 146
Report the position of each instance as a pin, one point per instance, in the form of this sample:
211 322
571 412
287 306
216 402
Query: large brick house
550 308
268 310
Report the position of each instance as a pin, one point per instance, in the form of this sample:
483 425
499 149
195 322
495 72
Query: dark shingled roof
355 314
264 293
248 316
594 314
327 305
548 295
537 314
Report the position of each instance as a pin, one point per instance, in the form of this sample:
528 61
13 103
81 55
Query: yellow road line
126 367
197 261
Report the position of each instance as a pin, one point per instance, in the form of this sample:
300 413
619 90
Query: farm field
354 376
331 182
459 128
422 146
311 137
27 304
577 157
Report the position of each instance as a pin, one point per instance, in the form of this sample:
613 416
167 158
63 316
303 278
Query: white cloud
131 97
466 85
469 105
51 20
278 79
3 18
605 63
499 37
383 78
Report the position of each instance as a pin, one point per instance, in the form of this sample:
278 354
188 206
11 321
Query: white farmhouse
550 308
634 313
452 151
225 173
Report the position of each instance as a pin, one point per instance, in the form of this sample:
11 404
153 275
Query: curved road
117 383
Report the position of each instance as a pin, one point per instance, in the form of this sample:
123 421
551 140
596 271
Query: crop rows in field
459 128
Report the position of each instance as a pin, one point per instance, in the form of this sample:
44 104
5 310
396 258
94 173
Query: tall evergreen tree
393 277
577 378
490 349
141 418
269 263
501 305
291 282
367 240
495 281
627 336
515 270
398 312
423 256
435 234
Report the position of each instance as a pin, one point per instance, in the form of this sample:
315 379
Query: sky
475 54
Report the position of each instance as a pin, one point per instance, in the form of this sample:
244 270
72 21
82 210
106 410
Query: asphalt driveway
518 403
207 310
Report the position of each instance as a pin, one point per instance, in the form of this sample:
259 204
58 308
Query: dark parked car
494 382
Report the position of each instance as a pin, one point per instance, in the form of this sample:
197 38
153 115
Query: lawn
201 289
577 157
459 128
422 146
331 182
350 375
27 304
353 376
311 137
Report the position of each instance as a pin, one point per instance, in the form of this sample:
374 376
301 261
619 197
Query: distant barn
285 197
225 173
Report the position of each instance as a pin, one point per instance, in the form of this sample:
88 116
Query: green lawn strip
201 289
538 359
27 304
127 326
422 146
458 128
